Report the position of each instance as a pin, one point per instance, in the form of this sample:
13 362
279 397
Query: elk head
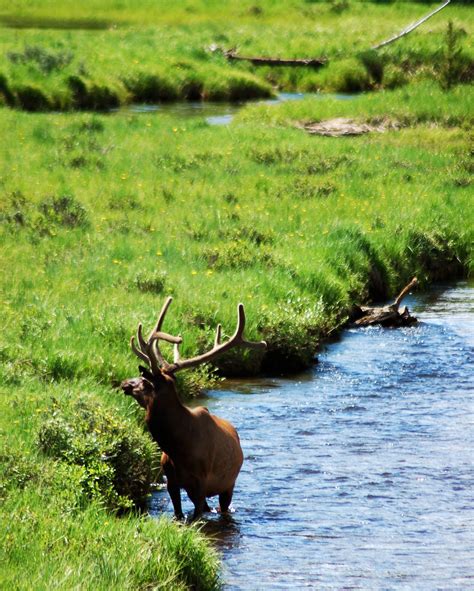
158 375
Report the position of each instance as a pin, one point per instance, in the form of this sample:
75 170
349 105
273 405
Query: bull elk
201 452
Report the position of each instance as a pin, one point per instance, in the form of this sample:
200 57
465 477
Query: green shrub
309 189
394 77
151 88
348 75
339 6
455 67
90 95
374 63
32 98
16 471
150 281
292 332
117 460
14 209
47 61
64 211
237 254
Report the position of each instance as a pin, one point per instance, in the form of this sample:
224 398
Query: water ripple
359 475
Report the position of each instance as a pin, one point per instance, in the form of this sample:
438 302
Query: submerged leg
198 497
174 490
225 499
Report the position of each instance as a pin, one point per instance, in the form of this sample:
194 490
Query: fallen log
388 316
276 61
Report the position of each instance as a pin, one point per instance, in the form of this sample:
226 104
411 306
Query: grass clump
116 461
70 465
90 549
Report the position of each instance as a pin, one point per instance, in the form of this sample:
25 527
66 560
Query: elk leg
173 488
224 500
198 497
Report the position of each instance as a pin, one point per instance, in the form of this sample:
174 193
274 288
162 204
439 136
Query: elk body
201 452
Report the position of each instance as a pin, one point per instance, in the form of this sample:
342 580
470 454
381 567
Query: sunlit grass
102 216
161 51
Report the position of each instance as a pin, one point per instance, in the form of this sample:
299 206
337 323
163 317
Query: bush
17 471
348 75
47 61
374 63
237 254
117 461
292 332
90 95
32 98
63 211
455 66
150 282
151 88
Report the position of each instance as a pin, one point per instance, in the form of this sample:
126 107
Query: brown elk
201 452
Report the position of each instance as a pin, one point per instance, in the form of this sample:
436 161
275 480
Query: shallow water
358 474
220 113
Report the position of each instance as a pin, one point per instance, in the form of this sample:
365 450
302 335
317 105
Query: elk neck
167 418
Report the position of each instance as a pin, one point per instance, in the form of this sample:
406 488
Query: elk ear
150 377
146 373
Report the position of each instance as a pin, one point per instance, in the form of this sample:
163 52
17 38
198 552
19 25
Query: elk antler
149 352
236 340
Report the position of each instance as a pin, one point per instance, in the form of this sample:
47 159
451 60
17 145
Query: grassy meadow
98 55
102 215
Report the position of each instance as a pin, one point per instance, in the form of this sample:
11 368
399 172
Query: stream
220 113
358 473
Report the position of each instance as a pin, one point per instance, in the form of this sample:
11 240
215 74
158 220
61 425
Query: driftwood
390 315
276 61
319 62
346 127
411 27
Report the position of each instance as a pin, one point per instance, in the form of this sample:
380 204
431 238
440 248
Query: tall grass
101 216
161 51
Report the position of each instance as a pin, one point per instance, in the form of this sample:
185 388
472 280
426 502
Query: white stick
412 27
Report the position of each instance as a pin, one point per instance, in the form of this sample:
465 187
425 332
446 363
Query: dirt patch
342 126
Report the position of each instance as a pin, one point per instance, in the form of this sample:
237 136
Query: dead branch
387 315
276 61
411 27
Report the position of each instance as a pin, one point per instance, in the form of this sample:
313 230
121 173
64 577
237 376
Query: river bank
102 216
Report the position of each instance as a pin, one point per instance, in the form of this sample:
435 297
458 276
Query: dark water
359 474
220 113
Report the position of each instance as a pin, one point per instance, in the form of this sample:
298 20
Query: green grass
408 106
160 52
46 546
103 216
112 213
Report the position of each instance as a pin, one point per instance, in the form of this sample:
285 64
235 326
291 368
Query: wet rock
342 126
